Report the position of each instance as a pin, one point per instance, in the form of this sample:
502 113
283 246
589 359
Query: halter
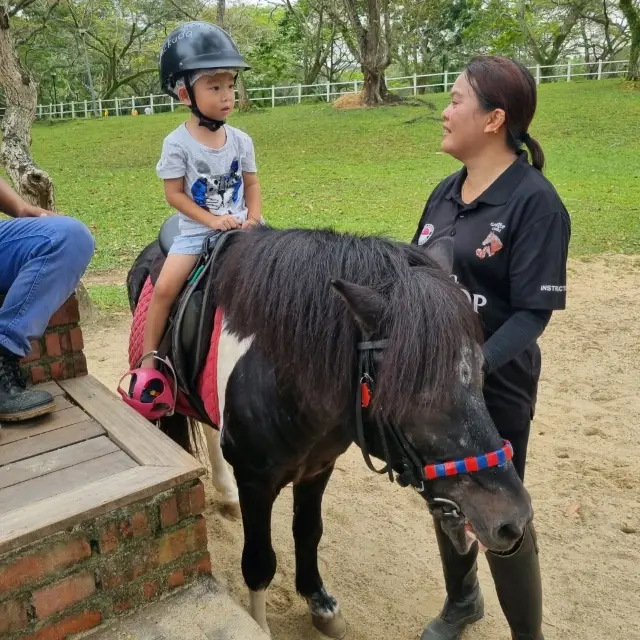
414 472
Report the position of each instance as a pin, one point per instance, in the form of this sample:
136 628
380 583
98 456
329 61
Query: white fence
293 94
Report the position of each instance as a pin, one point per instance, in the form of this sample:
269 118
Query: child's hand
224 223
249 224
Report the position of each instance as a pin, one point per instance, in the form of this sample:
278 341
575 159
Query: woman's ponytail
537 154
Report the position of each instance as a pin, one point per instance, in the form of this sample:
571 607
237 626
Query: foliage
309 41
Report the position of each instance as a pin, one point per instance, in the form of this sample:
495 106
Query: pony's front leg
258 556
307 531
221 477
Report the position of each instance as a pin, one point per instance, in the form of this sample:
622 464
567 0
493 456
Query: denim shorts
190 245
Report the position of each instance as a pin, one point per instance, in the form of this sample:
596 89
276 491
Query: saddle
187 338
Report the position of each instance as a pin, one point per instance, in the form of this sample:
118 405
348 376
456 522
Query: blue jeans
41 262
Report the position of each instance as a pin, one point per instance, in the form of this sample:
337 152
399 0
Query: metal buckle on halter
453 510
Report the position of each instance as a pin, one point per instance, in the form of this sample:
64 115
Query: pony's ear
442 252
366 305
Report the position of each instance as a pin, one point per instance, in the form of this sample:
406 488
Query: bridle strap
365 366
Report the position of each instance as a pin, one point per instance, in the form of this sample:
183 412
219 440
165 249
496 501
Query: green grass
365 171
109 297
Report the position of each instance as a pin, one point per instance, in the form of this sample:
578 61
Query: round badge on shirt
427 232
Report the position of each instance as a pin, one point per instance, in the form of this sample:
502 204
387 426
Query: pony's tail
183 431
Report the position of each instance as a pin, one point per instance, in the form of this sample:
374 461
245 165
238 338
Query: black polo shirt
510 246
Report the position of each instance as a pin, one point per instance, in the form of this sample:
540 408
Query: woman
510 236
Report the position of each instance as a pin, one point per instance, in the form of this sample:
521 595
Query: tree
366 30
604 31
546 27
632 14
32 183
308 27
118 33
243 97
442 35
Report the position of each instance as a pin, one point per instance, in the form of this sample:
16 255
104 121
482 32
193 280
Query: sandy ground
378 554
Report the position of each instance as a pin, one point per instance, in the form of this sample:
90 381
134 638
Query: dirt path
378 554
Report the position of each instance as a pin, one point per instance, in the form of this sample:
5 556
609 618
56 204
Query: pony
330 339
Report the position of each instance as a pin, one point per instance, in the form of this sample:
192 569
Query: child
208 167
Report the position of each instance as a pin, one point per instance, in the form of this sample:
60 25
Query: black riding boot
16 401
519 587
464 604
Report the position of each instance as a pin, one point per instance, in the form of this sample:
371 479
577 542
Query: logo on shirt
427 232
476 299
497 227
217 194
490 246
553 287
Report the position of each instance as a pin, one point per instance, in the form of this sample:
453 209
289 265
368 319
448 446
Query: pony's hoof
333 627
231 510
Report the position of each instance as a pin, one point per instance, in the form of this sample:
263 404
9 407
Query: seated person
42 258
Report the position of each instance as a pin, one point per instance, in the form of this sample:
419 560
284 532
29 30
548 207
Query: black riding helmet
197 46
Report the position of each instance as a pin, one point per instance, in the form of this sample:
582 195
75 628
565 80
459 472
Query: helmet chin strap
208 123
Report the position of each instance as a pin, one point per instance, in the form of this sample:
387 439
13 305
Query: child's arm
253 198
177 198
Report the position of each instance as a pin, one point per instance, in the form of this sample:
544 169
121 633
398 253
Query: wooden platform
92 455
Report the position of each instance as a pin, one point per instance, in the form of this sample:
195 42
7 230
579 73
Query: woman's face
466 125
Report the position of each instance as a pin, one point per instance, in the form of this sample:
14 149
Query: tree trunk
633 73
369 42
633 18
220 13
244 104
375 86
33 184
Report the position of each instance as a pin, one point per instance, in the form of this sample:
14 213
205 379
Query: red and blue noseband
469 465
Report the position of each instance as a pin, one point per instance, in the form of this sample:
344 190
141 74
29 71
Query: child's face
215 95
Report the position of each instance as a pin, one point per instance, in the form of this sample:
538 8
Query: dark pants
510 394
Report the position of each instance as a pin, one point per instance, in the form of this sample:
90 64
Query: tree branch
39 30
23 4
119 83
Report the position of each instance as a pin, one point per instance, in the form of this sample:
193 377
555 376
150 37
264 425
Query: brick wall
73 581
58 354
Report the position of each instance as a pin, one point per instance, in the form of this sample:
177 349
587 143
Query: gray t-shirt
212 177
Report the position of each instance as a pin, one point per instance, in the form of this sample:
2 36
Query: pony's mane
275 286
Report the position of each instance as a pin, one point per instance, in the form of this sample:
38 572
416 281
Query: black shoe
16 401
519 587
464 604
454 618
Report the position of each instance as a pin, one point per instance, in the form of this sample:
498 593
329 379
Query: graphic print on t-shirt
217 193
492 243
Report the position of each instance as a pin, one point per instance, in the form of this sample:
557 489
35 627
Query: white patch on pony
230 350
